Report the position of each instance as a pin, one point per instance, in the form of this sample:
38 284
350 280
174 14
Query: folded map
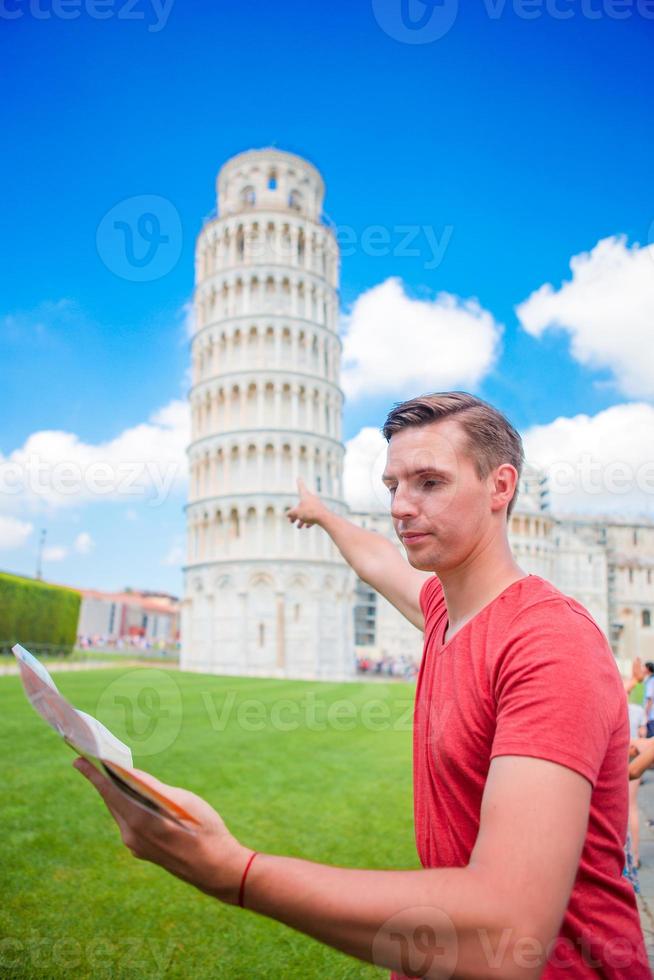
89 737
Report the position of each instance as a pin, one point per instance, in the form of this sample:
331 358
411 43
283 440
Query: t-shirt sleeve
557 690
430 594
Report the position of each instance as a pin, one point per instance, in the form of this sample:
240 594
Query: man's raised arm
372 556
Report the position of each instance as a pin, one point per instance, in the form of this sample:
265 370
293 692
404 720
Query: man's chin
422 563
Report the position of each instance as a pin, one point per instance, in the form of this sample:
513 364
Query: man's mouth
412 537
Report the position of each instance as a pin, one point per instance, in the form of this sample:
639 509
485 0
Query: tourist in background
648 697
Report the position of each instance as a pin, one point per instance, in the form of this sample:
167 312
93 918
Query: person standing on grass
520 741
648 697
637 731
637 728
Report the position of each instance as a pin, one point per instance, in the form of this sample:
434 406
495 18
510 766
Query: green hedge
39 616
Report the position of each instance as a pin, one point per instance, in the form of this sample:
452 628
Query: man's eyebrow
426 471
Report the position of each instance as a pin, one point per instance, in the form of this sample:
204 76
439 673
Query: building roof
153 603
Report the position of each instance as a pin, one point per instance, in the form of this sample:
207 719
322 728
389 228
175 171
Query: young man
520 744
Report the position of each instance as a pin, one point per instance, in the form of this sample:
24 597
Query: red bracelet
245 874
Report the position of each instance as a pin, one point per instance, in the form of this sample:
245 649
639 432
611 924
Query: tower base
269 619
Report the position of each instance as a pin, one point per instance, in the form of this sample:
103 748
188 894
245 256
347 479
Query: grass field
321 771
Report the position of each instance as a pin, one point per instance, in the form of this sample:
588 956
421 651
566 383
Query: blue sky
529 139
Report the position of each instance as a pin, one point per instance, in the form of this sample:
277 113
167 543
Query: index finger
152 781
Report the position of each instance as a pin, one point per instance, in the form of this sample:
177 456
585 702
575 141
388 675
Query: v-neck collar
444 644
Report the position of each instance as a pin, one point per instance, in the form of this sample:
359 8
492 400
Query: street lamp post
39 556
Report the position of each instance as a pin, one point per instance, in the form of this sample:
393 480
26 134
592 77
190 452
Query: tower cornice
249 432
257 373
254 317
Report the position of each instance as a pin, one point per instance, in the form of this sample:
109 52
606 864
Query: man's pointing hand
309 509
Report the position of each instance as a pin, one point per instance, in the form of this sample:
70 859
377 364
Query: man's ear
504 480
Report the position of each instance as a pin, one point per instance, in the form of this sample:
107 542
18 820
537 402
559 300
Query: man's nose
402 505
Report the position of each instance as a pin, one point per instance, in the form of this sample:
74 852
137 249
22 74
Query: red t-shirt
531 675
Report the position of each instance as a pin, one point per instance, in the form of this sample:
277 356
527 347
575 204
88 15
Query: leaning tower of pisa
260 596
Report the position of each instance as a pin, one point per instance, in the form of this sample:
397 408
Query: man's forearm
361 549
442 922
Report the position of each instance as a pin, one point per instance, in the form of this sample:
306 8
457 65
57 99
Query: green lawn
333 788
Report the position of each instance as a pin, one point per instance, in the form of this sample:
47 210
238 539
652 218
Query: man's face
440 508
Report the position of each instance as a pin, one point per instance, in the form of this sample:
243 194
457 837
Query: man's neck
469 588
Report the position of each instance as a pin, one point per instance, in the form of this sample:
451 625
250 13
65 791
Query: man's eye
432 483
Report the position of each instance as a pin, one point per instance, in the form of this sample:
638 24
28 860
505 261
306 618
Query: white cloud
365 458
600 464
54 552
145 462
175 556
44 325
84 543
398 345
13 532
608 310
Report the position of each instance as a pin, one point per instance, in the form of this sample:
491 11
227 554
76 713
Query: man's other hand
207 856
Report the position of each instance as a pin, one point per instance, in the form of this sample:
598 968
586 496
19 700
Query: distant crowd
401 667
98 642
